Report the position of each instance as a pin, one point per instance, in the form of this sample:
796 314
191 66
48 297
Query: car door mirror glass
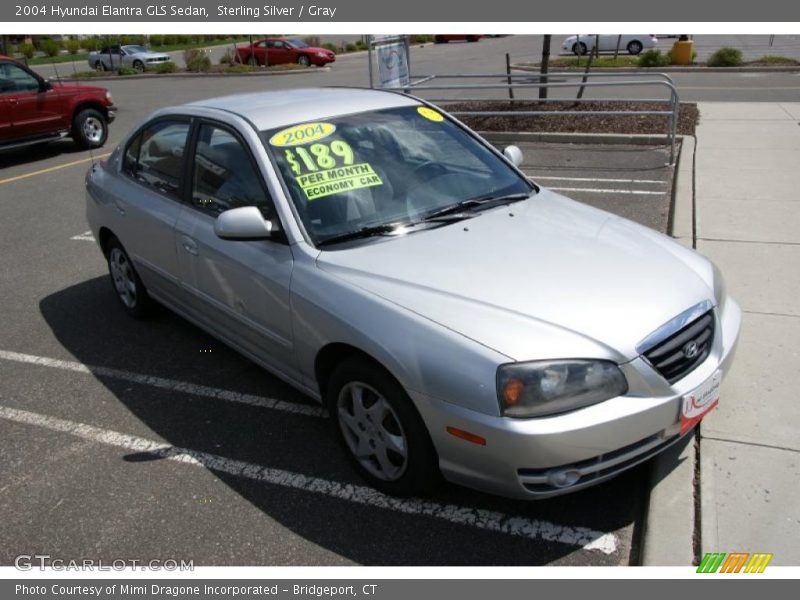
244 223
514 154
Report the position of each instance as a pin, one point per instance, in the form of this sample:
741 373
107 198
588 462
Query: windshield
134 49
385 167
297 43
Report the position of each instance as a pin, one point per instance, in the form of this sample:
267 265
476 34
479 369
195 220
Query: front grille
683 351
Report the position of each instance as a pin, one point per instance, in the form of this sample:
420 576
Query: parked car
632 44
443 39
134 56
453 316
279 51
34 110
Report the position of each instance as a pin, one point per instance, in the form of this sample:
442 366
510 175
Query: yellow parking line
56 168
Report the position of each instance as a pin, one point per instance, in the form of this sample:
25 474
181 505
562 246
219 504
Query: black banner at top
453 11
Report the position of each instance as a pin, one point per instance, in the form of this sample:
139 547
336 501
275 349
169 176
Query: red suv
34 110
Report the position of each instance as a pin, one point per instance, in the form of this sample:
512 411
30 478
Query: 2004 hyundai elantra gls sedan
454 317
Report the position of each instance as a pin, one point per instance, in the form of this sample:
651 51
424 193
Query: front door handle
189 245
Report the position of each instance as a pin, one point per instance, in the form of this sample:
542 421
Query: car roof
267 110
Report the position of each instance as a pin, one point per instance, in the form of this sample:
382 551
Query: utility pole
544 66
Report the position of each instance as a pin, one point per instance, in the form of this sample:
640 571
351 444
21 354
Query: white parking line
607 191
599 179
167 384
488 520
86 236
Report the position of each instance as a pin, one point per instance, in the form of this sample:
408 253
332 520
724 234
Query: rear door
239 289
148 202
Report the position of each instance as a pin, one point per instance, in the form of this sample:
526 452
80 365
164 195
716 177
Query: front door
34 109
239 289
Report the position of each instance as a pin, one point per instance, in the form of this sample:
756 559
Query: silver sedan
456 318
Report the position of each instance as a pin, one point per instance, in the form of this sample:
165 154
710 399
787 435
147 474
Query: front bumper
522 457
111 113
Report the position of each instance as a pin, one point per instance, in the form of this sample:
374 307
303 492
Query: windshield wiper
480 201
364 232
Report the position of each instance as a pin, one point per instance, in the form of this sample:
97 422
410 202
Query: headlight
720 293
110 98
548 387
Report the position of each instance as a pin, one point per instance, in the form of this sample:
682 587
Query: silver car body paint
544 278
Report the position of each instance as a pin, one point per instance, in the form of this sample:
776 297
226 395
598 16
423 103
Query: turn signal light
466 435
513 392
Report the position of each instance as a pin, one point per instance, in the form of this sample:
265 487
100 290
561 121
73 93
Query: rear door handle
189 245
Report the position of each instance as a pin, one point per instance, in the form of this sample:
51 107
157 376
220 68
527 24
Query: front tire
303 60
579 49
381 430
128 286
89 128
138 66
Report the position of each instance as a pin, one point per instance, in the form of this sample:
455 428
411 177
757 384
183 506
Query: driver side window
14 79
225 176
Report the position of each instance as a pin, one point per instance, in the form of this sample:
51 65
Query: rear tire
99 66
381 430
635 47
251 60
127 285
89 128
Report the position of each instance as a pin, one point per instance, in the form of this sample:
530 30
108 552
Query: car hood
540 278
317 49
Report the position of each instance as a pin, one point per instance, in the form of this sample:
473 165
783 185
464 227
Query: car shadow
87 320
43 151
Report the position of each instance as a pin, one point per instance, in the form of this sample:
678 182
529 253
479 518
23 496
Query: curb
670 517
644 70
194 75
643 139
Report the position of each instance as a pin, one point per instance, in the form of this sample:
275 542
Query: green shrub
168 40
776 60
127 71
654 58
227 58
329 46
157 40
421 39
50 47
350 48
196 60
27 50
165 67
360 45
182 39
726 57
72 46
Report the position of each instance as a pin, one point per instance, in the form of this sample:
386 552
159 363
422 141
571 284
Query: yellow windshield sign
430 114
338 180
302 134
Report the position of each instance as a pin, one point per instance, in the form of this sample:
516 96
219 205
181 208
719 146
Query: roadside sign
393 70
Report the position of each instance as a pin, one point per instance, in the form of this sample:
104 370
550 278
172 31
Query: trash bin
682 52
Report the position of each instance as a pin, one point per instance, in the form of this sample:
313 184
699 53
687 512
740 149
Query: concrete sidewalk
746 189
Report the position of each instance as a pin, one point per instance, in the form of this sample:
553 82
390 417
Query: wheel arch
335 353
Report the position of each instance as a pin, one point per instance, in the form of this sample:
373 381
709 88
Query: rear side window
155 156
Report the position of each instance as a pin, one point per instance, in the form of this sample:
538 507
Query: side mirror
243 224
514 154
44 85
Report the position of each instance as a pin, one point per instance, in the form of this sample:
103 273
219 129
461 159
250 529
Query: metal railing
555 80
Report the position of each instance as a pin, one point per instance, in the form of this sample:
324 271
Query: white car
632 44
